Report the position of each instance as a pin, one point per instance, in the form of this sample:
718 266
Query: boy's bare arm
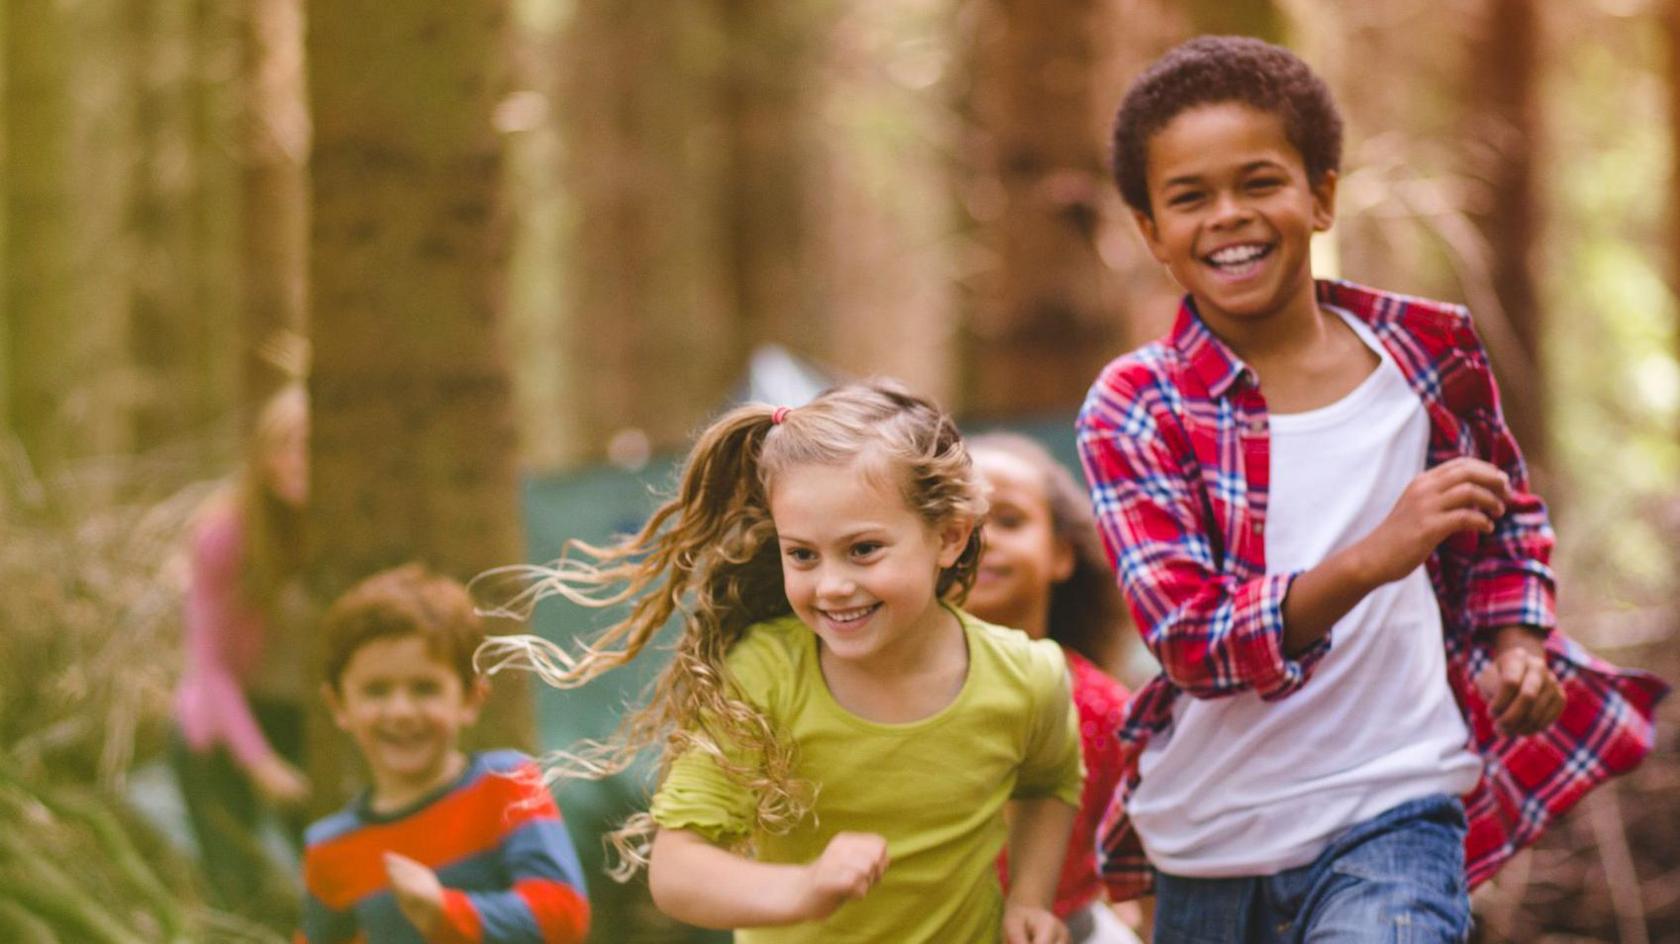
699 883
1464 494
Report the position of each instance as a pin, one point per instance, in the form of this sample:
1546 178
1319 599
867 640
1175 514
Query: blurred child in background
443 846
1043 571
239 706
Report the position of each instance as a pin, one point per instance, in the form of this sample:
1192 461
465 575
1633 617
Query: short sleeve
697 794
1051 765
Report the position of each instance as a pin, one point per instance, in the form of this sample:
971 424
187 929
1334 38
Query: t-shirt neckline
815 678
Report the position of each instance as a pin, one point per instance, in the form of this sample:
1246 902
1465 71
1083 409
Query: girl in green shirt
839 746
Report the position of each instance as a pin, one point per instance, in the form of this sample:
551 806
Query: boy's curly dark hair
1211 70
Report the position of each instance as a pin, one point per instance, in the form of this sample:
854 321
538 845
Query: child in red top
1044 571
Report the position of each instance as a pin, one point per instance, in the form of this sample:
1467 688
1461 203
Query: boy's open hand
1024 924
848 868
418 892
1463 494
1523 695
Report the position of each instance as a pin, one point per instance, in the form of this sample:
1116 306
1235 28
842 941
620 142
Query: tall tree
413 440
764 101
63 194
1043 317
216 95
1503 135
645 301
1064 284
170 336
273 220
690 148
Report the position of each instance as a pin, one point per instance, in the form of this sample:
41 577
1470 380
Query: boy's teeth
1236 255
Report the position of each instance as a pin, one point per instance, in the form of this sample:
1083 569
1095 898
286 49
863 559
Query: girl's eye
865 548
1007 521
1183 198
1264 183
427 689
376 689
800 555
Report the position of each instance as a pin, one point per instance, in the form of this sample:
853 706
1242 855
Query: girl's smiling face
859 566
1023 557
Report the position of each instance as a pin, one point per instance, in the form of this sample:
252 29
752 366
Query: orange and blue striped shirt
495 840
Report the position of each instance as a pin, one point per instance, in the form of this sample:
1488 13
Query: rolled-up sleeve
1214 634
1510 577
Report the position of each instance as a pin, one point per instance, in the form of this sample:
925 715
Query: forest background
517 244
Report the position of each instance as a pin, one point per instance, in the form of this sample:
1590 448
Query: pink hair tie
777 415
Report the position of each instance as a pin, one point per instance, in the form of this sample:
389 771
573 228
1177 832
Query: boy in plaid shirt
1325 532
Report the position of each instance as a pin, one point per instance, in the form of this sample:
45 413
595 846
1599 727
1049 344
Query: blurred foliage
1611 340
90 588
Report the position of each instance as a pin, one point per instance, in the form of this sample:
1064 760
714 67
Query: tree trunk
64 190
653 343
1047 311
764 106
216 98
413 437
274 217
169 335
1503 131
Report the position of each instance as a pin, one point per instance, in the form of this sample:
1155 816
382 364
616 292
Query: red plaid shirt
1174 441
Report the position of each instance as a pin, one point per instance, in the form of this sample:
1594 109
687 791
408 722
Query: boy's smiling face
405 708
1233 214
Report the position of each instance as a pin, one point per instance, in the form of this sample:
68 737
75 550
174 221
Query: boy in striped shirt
443 848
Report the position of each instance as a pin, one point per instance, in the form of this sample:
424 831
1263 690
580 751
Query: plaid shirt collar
1214 364
1219 369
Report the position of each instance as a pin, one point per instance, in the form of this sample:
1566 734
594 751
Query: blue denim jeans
1396 878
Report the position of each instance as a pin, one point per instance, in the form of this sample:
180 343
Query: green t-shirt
935 788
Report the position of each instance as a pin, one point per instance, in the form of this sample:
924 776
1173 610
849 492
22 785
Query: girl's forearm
1038 839
701 884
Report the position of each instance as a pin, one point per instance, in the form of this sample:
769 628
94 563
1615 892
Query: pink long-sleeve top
224 638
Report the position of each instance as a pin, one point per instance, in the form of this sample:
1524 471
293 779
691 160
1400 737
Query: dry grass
91 572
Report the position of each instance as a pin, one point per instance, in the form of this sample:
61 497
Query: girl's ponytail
708 553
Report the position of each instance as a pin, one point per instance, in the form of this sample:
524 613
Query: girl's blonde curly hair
710 554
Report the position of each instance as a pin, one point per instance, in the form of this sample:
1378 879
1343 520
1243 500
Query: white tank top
1238 786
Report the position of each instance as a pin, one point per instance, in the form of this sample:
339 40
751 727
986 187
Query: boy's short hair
1212 70
410 600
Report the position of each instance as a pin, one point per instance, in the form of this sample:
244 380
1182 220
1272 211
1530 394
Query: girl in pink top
239 707
1043 571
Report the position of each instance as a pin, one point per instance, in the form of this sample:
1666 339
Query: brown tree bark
1503 133
652 342
1050 306
171 330
63 312
413 440
764 104
273 223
